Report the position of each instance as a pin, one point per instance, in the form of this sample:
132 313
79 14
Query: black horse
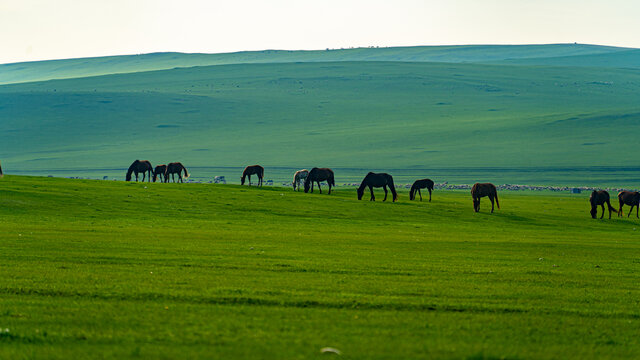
378 180
631 198
162 171
600 197
175 168
480 190
140 166
317 175
421 184
252 170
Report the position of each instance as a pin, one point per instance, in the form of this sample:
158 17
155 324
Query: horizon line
623 48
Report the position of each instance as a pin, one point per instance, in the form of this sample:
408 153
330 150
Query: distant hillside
618 59
74 68
343 114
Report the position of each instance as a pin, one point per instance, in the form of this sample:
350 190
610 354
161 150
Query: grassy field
118 270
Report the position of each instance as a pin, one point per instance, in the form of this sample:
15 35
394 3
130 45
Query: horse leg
429 195
144 175
329 188
373 198
630 211
620 209
491 198
319 188
385 193
602 211
420 193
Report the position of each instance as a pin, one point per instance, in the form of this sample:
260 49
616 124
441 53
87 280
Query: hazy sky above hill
48 29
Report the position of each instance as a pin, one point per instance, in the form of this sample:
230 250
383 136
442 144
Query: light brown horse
600 197
176 168
382 180
631 198
252 170
299 177
421 184
160 170
316 175
140 166
480 190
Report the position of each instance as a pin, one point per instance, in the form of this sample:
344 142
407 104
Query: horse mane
412 193
131 168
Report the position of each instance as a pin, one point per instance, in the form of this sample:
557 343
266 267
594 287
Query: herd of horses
163 171
306 178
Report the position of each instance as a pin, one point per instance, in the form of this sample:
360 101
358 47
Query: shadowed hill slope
349 114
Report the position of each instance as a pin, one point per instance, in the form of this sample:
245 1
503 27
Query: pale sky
55 29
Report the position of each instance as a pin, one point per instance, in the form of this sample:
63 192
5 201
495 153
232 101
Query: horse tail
186 173
611 208
497 202
392 187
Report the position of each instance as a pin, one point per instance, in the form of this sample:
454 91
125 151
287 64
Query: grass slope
95 269
377 115
620 59
73 68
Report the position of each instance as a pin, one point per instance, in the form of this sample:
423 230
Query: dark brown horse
480 190
175 168
316 175
253 170
631 198
600 197
140 166
162 171
421 184
378 180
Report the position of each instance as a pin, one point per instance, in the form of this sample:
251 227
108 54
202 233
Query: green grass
119 270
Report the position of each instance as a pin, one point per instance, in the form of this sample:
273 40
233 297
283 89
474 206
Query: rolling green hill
514 122
73 68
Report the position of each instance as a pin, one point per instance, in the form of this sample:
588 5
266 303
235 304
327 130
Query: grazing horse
421 184
299 177
175 168
378 180
631 198
481 190
253 170
140 166
317 175
162 171
599 197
